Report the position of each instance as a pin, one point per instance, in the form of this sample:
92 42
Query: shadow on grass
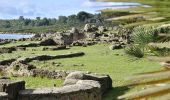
115 92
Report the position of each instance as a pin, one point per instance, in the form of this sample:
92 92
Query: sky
10 9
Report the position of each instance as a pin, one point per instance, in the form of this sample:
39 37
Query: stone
87 28
74 30
78 91
104 80
48 42
115 46
76 75
101 29
3 96
18 68
12 88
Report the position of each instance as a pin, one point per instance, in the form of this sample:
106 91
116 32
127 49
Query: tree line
51 24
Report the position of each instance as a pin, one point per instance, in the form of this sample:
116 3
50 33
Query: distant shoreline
17 33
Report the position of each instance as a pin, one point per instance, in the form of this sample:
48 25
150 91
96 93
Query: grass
34 82
97 59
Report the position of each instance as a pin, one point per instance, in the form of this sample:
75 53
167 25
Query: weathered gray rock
74 30
87 28
12 88
3 96
101 29
80 91
115 46
104 80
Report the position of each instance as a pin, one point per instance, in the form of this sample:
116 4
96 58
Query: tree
82 16
62 19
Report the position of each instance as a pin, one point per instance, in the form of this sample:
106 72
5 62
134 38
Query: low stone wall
29 45
62 47
82 90
7 62
48 57
3 96
77 86
49 74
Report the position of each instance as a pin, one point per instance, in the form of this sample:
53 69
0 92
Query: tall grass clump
134 50
143 35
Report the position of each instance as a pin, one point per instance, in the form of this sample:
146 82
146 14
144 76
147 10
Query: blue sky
47 8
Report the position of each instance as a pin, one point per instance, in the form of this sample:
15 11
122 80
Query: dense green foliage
51 24
134 50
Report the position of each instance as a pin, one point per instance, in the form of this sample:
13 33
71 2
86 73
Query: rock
102 29
48 42
18 68
104 80
36 36
70 82
87 28
12 88
166 64
4 96
74 30
76 75
93 35
115 46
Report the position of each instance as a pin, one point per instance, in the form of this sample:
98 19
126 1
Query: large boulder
104 80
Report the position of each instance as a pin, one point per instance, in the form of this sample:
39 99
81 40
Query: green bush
134 50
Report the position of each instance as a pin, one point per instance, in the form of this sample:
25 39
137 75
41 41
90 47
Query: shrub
134 50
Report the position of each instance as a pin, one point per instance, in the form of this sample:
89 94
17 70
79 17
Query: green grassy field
97 59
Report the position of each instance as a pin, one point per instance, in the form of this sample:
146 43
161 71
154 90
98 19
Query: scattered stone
115 46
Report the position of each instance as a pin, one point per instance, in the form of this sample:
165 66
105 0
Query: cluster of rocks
77 37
